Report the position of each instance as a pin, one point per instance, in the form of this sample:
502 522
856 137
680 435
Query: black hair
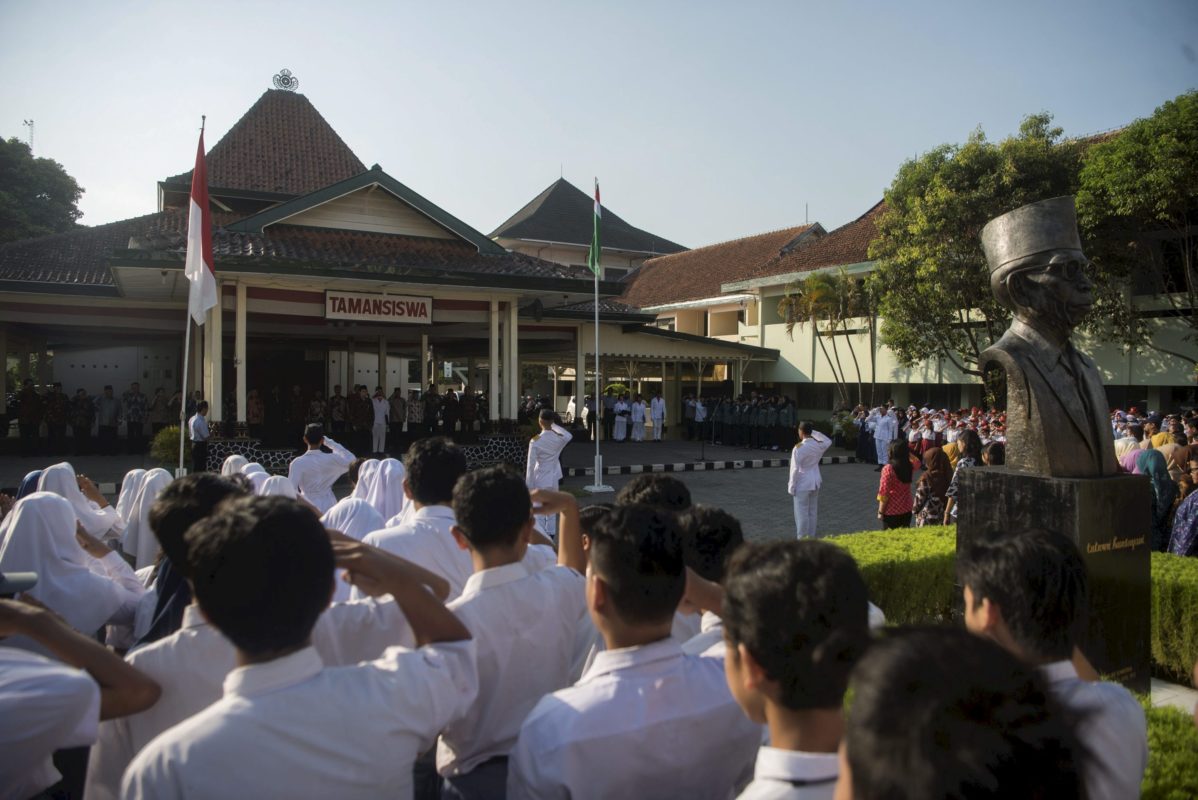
938 712
969 445
709 537
491 506
662 491
547 414
313 432
1136 430
1038 579
201 406
183 503
262 569
354 469
589 515
806 427
433 466
637 551
802 609
900 459
995 454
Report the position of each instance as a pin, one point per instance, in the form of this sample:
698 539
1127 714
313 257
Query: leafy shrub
910 572
165 448
1174 614
1172 772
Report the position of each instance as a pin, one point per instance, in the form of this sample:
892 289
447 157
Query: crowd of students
421 638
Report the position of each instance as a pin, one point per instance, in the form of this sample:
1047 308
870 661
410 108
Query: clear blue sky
704 121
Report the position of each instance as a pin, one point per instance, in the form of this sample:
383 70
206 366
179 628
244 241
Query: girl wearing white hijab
278 485
385 492
130 486
95 515
139 541
251 468
88 588
366 473
256 474
233 465
355 518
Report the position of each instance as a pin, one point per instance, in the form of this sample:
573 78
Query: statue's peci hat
1011 241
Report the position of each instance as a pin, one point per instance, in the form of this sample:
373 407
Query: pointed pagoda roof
281 145
563 213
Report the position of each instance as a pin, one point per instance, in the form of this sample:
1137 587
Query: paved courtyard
758 498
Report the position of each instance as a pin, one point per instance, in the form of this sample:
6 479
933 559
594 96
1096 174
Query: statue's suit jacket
1056 424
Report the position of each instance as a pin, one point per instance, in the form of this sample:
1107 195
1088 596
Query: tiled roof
698 274
564 213
80 257
606 306
281 144
848 244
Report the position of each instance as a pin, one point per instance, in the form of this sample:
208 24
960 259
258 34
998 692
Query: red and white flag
198 266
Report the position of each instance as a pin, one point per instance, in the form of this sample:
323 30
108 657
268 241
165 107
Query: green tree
931 280
836 300
37 196
1138 205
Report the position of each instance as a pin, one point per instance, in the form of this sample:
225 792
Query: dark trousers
107 440
29 443
609 423
487 781
56 437
134 436
83 440
896 521
199 456
338 426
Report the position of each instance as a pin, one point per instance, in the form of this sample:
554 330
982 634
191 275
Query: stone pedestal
1109 519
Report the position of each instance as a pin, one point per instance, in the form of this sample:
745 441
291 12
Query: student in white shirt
940 712
657 412
79 577
710 536
92 509
523 623
313 731
315 472
645 721
382 412
805 479
434 465
1027 591
49 704
638 419
622 413
796 619
544 466
197 428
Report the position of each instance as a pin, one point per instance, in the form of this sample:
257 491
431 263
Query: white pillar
44 376
206 329
350 374
3 375
383 363
493 364
216 403
511 367
424 377
580 371
239 352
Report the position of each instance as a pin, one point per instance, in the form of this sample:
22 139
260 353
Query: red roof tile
848 244
281 144
698 274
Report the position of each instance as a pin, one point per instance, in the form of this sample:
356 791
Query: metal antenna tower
28 123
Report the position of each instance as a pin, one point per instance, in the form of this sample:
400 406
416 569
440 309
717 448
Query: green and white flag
593 255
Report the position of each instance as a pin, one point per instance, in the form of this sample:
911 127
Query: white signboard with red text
378 307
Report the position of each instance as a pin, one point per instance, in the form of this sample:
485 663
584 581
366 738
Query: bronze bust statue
1057 420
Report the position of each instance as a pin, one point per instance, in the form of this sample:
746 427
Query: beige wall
370 209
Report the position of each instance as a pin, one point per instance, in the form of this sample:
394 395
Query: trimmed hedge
1172 772
911 573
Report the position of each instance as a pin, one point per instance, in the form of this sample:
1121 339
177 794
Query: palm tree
810 301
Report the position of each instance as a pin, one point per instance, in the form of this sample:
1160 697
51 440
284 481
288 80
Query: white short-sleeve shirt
293 728
523 622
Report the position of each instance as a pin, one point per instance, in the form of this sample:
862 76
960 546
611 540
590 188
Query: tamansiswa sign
378 307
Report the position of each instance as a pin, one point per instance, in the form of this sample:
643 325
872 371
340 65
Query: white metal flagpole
598 486
181 470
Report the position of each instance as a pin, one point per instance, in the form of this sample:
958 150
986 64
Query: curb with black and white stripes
699 466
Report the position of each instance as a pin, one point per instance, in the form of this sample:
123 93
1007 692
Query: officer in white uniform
544 468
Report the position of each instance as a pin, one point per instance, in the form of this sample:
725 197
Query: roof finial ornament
286 81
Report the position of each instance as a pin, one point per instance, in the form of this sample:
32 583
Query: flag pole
181 471
597 487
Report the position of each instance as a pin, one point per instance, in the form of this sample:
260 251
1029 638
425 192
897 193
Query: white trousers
379 432
658 423
638 431
882 447
806 511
